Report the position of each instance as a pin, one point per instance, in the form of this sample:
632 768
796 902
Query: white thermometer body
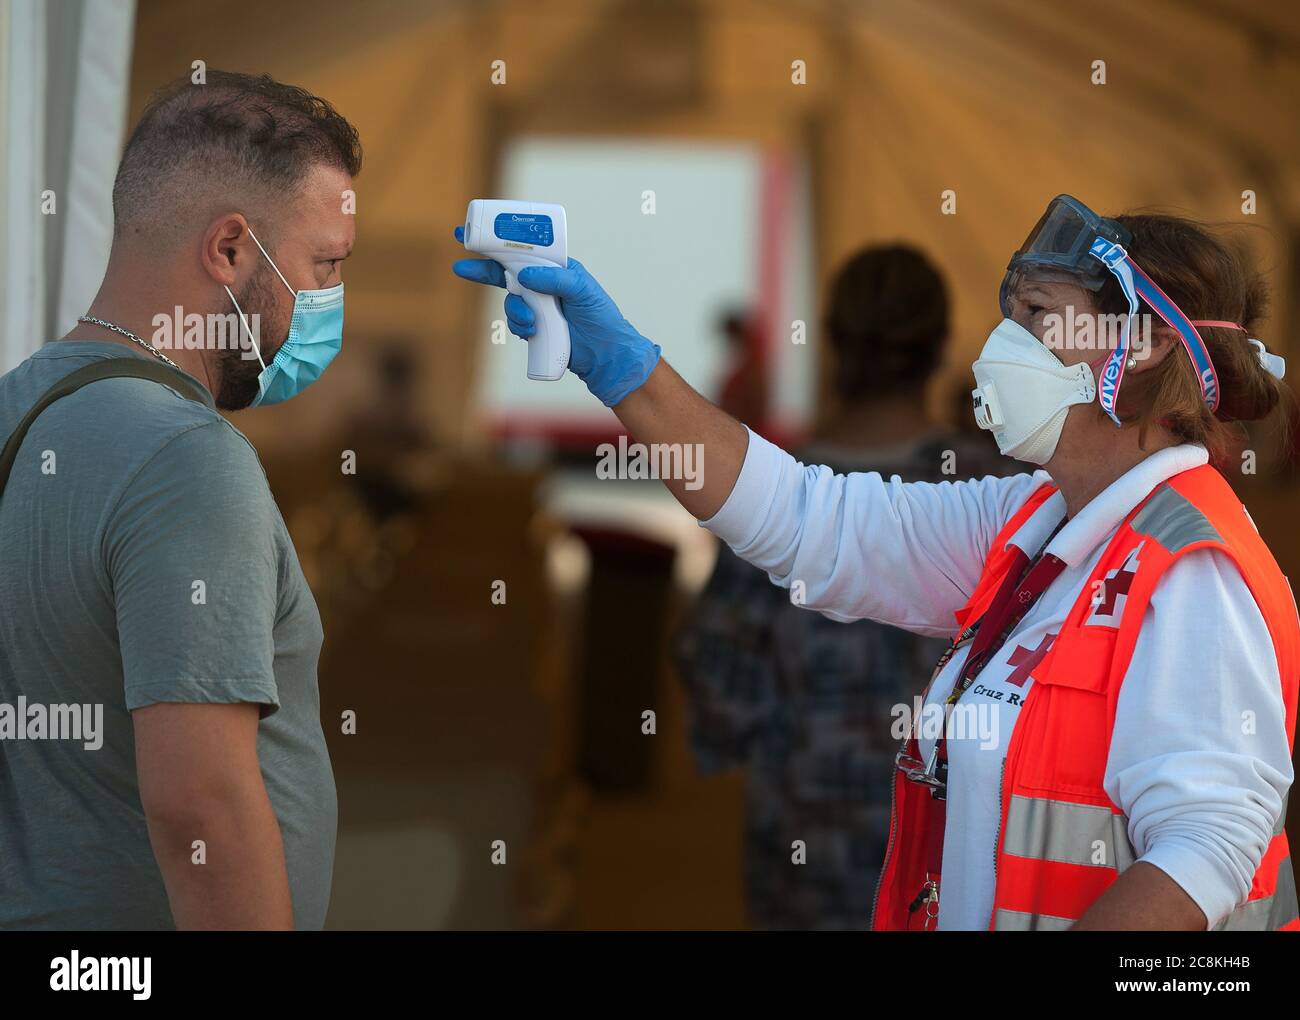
519 234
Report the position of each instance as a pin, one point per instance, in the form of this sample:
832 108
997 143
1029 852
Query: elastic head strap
1273 364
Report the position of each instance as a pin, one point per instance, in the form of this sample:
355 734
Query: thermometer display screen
528 228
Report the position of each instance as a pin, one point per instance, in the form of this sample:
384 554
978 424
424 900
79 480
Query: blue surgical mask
315 337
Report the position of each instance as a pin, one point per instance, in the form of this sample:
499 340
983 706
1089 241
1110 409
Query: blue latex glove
608 354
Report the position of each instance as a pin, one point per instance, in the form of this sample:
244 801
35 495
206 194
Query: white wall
63 98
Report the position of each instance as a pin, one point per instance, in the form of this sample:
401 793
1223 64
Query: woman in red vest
1107 742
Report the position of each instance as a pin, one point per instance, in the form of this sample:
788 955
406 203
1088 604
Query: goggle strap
1180 323
1135 283
1114 258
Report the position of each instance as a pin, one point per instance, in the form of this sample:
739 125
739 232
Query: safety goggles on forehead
1072 242
1059 248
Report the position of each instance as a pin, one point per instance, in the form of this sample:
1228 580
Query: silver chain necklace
130 336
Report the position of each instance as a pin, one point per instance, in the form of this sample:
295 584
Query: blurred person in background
803 702
389 430
743 392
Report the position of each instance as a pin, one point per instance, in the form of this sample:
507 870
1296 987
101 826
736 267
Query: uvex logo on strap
1110 594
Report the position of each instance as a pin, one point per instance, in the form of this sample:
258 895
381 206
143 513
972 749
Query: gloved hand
607 354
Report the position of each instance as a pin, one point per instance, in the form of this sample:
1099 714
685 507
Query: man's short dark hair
246 137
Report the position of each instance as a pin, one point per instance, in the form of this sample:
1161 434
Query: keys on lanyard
914 768
928 897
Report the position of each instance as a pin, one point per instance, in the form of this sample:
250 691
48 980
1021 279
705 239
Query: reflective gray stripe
1270 912
1173 521
1055 830
1280 827
1015 920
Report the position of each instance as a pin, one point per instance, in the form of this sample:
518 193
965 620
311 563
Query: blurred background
497 616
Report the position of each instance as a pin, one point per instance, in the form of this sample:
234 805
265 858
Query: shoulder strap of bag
111 368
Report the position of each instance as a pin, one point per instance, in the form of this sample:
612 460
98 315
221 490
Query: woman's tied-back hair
238 137
1208 279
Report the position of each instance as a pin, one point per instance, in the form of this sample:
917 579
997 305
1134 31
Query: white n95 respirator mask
1023 392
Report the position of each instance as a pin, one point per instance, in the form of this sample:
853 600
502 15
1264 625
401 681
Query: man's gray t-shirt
142 560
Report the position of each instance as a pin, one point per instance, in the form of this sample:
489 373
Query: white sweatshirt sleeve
1199 760
903 553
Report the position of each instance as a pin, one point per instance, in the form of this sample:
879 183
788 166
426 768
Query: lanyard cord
1021 589
1019 593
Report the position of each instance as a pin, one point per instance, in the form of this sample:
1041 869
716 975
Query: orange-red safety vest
1061 841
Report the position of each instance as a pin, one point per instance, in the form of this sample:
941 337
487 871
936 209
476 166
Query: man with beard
144 565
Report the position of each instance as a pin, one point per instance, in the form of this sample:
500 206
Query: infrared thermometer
519 234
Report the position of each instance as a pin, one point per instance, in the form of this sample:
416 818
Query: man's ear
228 251
1152 346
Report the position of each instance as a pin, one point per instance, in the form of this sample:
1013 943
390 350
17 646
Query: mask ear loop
272 261
257 348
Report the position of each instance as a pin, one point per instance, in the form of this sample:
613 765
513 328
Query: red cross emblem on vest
1111 593
1025 659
